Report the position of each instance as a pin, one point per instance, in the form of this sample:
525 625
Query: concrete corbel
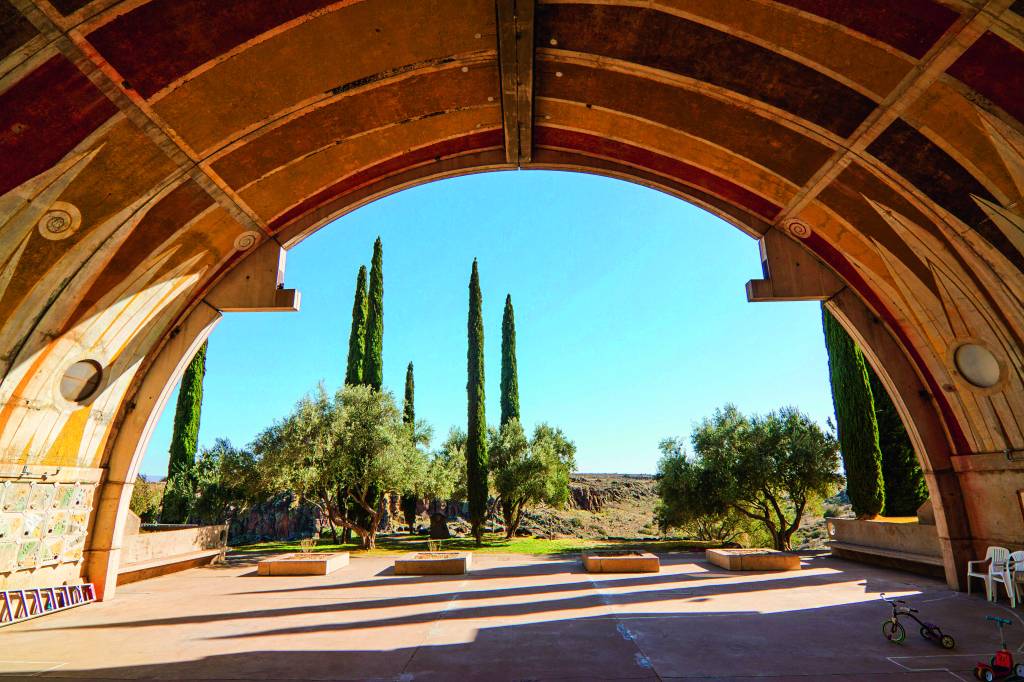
791 273
256 284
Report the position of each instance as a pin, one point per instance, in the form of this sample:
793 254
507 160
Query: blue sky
631 318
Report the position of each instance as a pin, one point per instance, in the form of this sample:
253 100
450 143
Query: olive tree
444 480
531 471
227 479
680 481
337 450
766 468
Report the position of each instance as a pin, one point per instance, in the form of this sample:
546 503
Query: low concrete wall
909 546
144 548
913 538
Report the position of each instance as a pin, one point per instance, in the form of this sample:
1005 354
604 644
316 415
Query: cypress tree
373 360
509 370
408 405
409 501
905 487
855 419
184 441
476 444
357 335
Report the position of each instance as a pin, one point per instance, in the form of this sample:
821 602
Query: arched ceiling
147 146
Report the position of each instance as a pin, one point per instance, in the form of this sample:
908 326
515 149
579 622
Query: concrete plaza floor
513 618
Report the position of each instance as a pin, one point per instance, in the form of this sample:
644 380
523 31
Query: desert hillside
622 506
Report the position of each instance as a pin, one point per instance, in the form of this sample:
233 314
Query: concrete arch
875 149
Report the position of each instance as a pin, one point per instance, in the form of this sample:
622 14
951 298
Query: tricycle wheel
1018 670
893 632
926 632
977 671
947 642
988 675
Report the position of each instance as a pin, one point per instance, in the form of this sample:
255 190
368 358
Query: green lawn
493 544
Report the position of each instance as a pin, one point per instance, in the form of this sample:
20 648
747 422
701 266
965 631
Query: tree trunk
439 527
409 503
507 517
514 519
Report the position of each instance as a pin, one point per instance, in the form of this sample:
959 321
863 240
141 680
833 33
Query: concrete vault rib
515 20
951 47
137 112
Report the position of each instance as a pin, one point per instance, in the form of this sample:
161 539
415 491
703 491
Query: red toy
1001 667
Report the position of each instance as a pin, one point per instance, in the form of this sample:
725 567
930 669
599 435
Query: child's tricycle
1001 667
894 631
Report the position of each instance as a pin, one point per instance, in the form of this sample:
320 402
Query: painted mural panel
17 497
42 524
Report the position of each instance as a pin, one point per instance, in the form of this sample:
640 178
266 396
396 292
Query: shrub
146 499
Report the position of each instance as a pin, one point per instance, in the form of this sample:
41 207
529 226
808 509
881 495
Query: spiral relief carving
797 228
246 240
60 222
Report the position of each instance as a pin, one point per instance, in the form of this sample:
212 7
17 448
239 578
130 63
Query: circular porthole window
81 381
977 365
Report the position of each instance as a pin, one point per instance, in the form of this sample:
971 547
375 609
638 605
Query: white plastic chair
995 562
1013 578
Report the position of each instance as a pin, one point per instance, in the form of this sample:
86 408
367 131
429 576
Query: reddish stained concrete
512 618
706 54
403 100
160 41
460 145
909 25
43 116
558 159
782 150
680 170
995 68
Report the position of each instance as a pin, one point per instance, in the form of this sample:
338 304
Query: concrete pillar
129 445
256 284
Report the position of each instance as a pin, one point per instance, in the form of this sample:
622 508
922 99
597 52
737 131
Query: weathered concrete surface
434 563
166 544
514 617
753 559
913 545
303 564
621 562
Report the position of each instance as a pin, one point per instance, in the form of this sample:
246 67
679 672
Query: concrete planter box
624 561
753 559
302 564
434 563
